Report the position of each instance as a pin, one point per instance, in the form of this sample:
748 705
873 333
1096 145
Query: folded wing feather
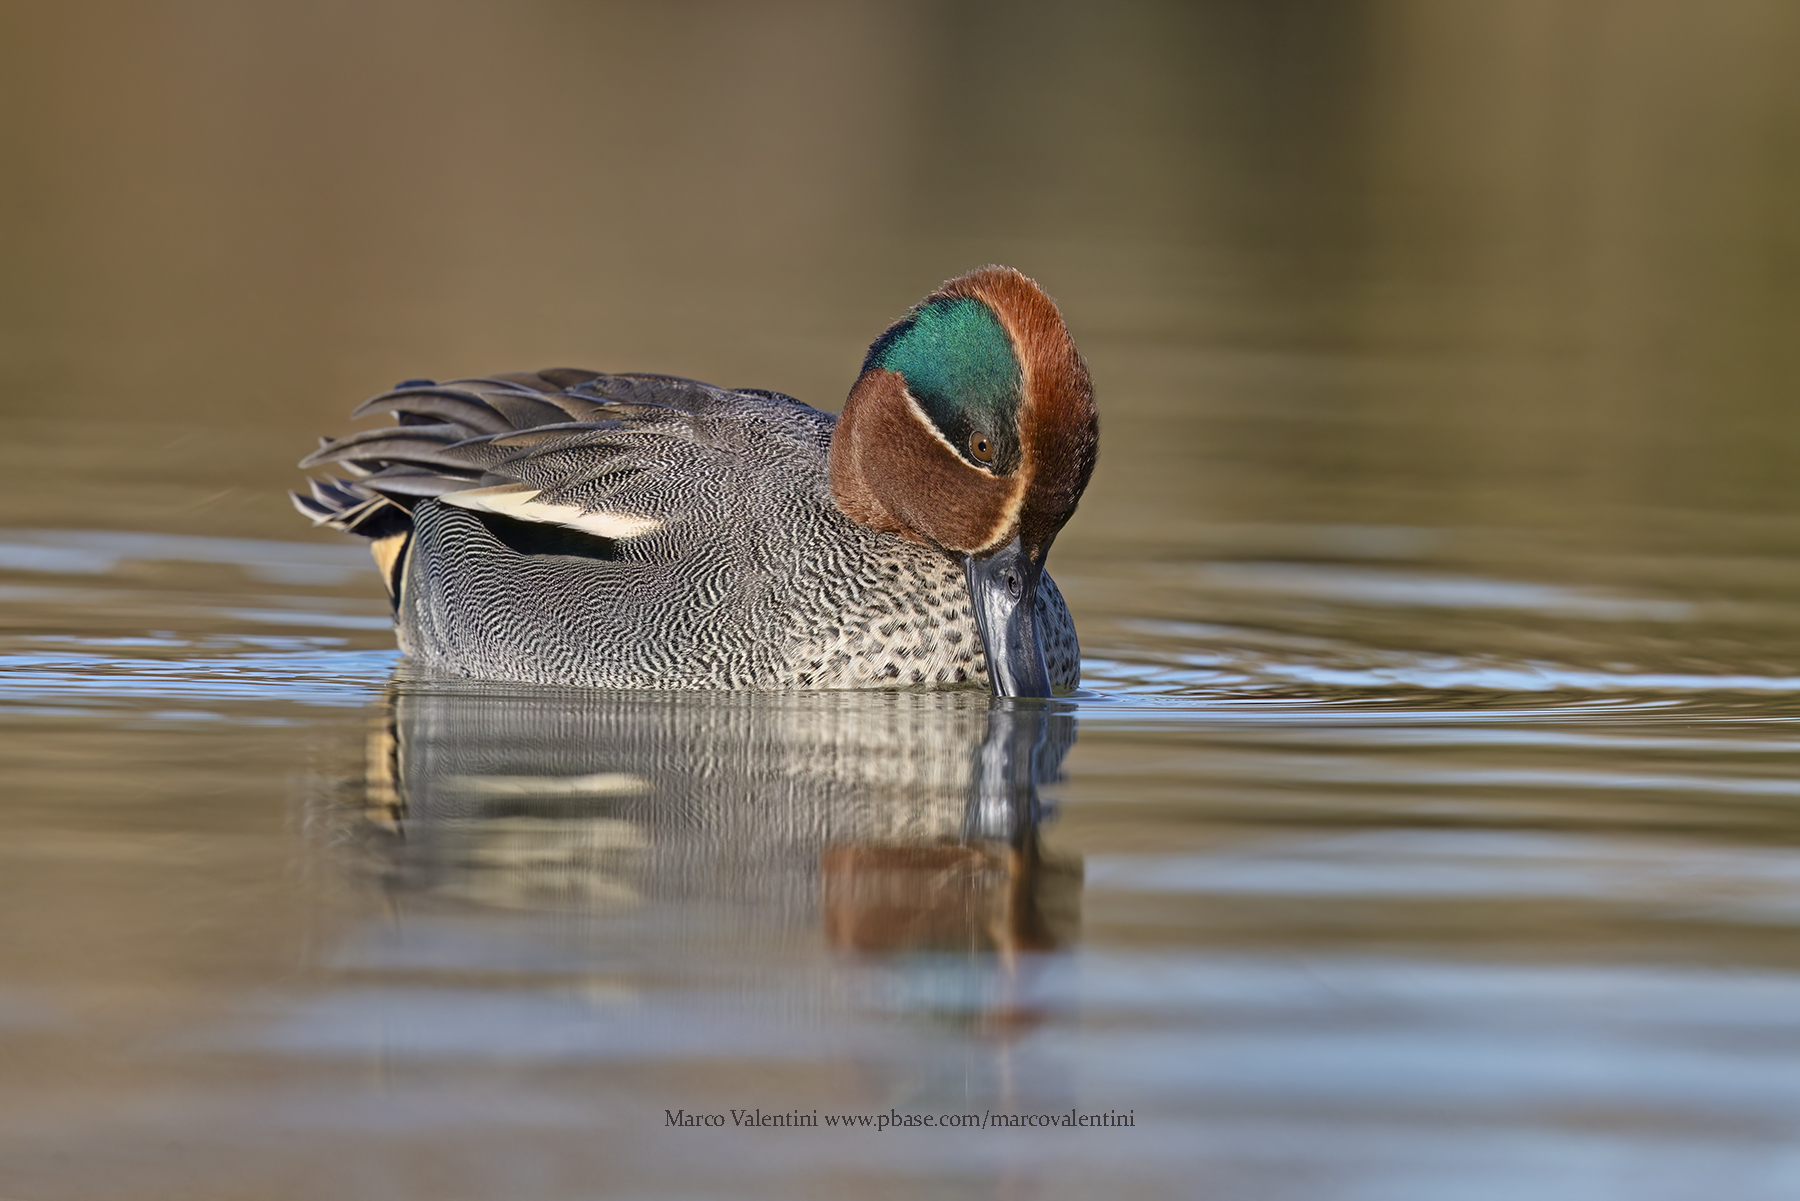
520 501
617 456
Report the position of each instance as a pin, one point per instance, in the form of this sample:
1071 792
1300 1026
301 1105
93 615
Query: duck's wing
611 455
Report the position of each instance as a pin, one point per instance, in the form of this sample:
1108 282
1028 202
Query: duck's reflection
892 821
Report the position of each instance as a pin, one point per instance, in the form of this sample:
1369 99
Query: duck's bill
1004 587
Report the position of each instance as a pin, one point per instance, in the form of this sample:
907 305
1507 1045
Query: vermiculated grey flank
750 577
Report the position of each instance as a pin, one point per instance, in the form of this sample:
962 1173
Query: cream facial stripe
519 501
1009 515
924 419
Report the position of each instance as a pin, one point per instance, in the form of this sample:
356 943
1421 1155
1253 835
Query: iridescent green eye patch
959 365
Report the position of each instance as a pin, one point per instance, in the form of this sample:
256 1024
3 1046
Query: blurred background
1431 828
1531 263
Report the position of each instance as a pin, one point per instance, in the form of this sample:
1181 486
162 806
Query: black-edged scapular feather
446 404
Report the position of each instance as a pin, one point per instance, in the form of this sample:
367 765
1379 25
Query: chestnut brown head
973 428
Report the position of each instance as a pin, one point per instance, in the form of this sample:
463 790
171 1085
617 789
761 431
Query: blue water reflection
1316 907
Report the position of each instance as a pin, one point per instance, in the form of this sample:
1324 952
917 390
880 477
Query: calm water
1428 825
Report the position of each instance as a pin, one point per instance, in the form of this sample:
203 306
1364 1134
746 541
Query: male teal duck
645 531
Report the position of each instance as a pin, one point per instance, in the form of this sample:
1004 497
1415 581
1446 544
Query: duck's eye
982 447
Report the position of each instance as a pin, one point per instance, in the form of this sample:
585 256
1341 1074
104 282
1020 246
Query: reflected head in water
639 531
894 821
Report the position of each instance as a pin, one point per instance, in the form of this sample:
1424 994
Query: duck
645 531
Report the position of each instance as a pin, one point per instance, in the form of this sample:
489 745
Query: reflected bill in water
889 821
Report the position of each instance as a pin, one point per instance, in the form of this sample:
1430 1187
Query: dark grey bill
1004 588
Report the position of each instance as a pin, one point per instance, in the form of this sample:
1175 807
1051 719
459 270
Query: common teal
646 531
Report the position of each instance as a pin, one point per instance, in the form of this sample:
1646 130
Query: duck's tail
391 470
488 436
346 505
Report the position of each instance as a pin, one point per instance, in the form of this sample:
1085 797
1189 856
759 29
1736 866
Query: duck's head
972 427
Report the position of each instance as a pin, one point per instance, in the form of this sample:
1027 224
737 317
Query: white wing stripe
519 501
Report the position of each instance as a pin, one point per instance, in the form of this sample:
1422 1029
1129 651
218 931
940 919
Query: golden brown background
1431 829
1518 262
